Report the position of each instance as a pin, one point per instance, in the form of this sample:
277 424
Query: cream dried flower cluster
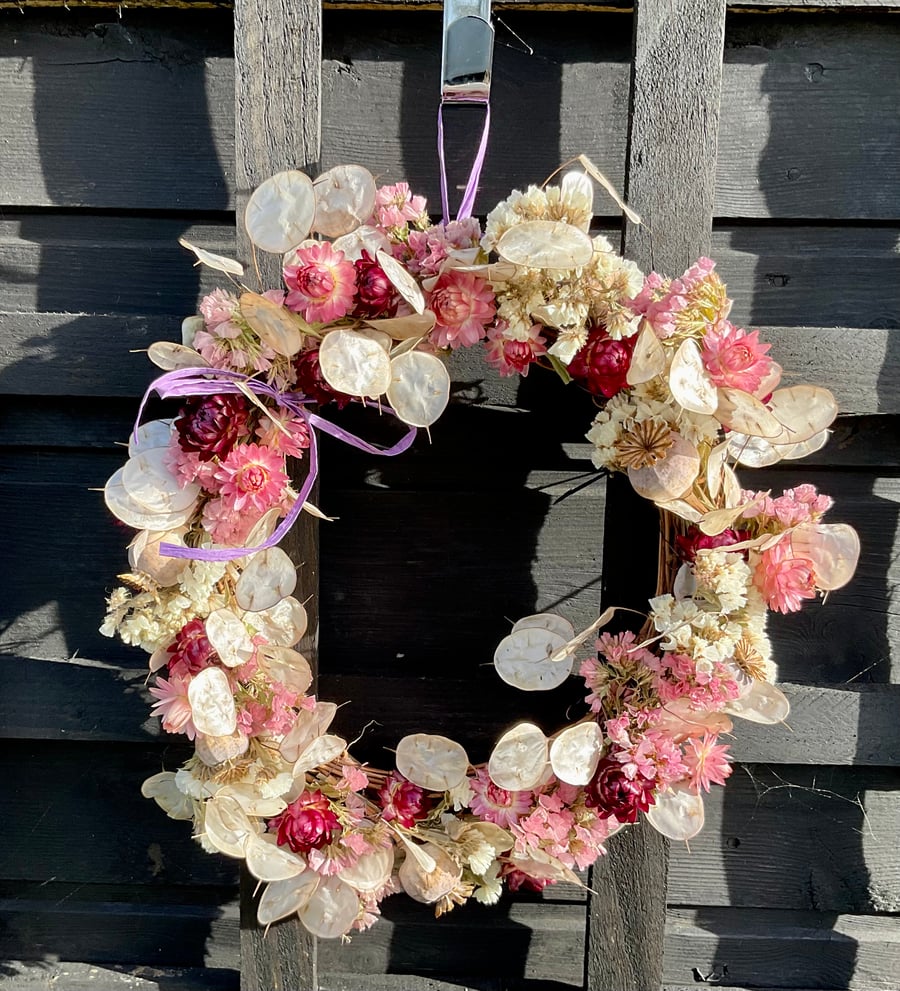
375 298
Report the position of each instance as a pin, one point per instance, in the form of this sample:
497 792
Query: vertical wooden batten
277 99
670 174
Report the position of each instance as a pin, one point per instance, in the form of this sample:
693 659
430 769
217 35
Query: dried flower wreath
372 307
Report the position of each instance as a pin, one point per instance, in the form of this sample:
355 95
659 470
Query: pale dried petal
648 359
431 762
677 813
539 864
364 238
402 281
345 197
689 380
148 481
764 703
287 666
322 750
309 725
575 753
524 660
546 621
153 433
680 508
252 802
331 910
275 325
227 825
792 452
412 326
420 388
162 789
833 549
229 638
714 463
284 898
266 580
280 212
428 886
267 861
209 258
804 411
356 362
214 750
519 759
144 555
189 327
546 244
371 872
283 624
169 356
754 452
212 704
740 411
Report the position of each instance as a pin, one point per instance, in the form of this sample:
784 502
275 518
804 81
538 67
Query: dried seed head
645 444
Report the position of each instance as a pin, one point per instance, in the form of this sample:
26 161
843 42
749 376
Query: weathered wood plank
781 949
670 173
806 838
29 975
278 114
157 88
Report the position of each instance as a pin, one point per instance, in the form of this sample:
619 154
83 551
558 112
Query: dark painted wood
277 108
30 975
670 178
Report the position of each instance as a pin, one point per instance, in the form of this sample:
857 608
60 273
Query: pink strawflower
376 295
517 880
613 793
694 540
734 358
402 800
172 705
322 283
463 305
395 206
293 442
308 823
191 651
785 581
218 308
252 478
707 762
495 804
513 356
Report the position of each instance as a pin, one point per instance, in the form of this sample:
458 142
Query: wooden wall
117 137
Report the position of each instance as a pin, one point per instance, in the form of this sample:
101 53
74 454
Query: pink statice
692 303
291 438
463 305
353 778
803 504
224 525
227 341
188 466
513 356
217 309
736 359
172 705
653 756
619 649
395 207
252 478
547 828
429 249
784 580
707 762
322 283
495 804
706 686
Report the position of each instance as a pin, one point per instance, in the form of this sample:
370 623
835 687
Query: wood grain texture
670 173
782 949
30 975
277 126
812 838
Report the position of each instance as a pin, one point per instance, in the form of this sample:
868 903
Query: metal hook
468 52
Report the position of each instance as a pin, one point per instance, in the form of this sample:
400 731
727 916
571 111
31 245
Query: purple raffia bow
185 382
468 200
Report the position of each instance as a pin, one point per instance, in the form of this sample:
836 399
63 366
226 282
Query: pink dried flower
601 366
292 440
706 761
517 880
308 823
188 467
513 356
693 541
252 478
429 249
395 206
679 677
402 800
219 307
734 358
495 804
613 793
322 283
691 304
784 581
311 382
224 525
353 778
376 295
463 305
172 705
211 425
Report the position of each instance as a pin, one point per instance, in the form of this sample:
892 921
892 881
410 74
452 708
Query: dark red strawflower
602 364
403 801
308 823
694 541
517 880
612 793
375 293
311 382
192 651
210 425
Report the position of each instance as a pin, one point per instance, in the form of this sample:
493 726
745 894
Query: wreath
375 298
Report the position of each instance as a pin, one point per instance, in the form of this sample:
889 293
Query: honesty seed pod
432 762
428 886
